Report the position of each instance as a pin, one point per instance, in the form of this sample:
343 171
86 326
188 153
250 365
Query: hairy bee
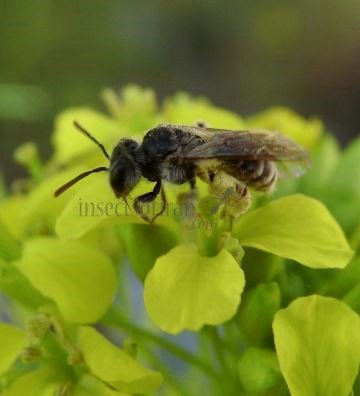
179 154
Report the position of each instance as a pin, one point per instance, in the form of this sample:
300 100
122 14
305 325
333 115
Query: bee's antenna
88 134
70 183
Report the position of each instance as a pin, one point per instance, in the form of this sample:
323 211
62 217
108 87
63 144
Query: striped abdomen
260 175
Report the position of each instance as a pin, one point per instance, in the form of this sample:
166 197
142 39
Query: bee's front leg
148 198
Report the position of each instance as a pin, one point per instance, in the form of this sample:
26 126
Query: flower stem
172 381
116 319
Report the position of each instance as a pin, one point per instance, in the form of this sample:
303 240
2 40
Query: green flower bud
38 325
30 354
26 153
64 389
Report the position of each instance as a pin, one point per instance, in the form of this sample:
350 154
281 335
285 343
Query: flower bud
38 325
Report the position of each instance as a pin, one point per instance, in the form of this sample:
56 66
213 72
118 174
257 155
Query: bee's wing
251 145
205 133
246 145
297 168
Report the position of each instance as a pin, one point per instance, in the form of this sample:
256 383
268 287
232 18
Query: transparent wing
291 159
247 145
288 169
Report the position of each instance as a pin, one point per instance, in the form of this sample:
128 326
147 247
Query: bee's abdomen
260 175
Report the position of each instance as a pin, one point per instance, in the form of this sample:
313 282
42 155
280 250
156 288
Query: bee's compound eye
124 175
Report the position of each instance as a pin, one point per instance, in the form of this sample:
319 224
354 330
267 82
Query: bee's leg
163 204
147 198
193 193
238 205
193 190
211 176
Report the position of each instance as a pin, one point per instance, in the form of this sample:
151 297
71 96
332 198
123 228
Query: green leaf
41 382
286 121
317 340
259 370
15 285
297 228
152 245
344 191
114 366
324 158
182 109
12 341
9 246
79 278
70 143
10 209
347 174
92 206
257 311
106 240
41 208
91 386
187 291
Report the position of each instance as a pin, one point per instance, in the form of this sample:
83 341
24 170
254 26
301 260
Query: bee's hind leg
192 195
193 190
148 198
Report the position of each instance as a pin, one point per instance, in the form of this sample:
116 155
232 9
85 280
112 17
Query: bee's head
124 170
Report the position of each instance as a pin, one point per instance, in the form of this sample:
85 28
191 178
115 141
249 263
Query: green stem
229 383
171 379
115 319
56 357
355 238
219 350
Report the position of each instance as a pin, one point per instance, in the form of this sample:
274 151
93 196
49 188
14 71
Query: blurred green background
243 55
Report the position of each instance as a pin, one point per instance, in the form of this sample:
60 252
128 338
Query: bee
180 154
